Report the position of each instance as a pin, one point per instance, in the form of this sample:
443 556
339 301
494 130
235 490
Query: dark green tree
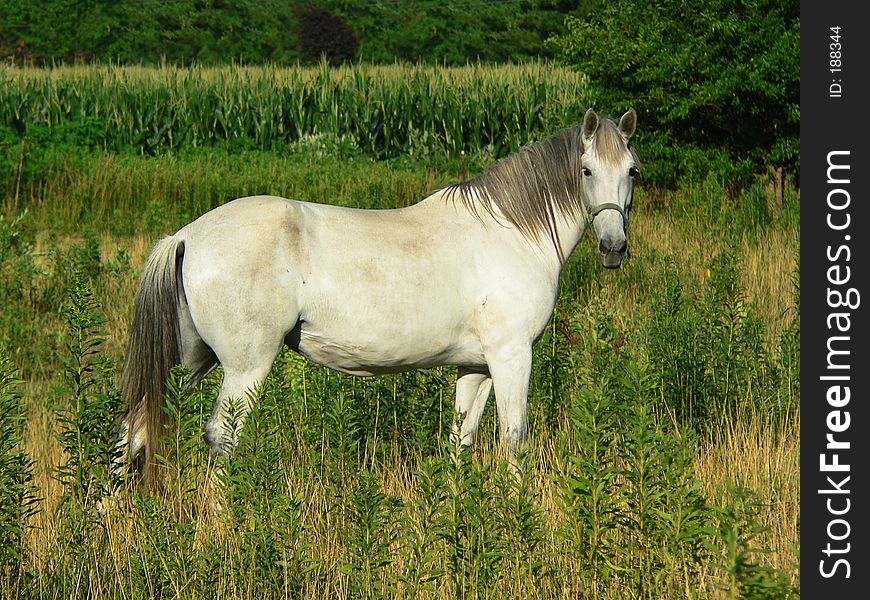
720 75
128 31
457 31
325 34
269 31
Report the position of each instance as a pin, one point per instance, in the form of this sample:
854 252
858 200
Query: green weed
18 493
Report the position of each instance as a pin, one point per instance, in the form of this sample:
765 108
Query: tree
719 75
457 31
128 31
262 31
324 34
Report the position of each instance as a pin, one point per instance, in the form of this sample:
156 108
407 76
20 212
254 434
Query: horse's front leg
511 367
472 392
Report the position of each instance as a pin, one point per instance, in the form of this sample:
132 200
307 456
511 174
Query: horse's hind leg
196 355
244 370
472 392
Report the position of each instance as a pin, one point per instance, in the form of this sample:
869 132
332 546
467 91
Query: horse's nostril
608 245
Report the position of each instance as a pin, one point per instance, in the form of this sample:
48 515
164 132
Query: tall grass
657 403
664 413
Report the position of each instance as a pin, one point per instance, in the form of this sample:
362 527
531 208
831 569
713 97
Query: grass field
664 405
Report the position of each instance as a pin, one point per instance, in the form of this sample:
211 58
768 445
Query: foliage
707 356
708 343
626 474
18 499
738 528
17 272
37 283
719 76
370 514
182 437
208 31
260 32
323 35
455 33
89 408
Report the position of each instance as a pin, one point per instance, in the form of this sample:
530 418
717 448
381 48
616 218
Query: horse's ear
627 123
590 123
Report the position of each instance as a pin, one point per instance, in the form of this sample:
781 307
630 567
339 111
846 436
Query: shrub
89 405
719 76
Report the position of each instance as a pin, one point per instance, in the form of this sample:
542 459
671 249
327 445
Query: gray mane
540 183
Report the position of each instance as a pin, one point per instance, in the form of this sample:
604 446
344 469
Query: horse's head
609 167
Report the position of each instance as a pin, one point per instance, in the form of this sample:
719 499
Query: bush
719 76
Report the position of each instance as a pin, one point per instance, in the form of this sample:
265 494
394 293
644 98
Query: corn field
386 111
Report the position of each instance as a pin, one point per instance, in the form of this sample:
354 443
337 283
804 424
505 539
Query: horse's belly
374 355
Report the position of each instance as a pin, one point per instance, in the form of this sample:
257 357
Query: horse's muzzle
611 254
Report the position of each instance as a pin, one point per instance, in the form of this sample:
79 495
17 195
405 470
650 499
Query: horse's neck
570 231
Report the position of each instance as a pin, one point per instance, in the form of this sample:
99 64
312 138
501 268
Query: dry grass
768 271
766 460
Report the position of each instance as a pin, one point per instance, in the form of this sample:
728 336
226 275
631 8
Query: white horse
466 277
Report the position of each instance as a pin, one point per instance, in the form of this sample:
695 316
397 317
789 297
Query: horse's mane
539 183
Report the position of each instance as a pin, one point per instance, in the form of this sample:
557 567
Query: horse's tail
154 348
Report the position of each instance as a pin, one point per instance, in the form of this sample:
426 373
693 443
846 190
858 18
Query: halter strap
593 212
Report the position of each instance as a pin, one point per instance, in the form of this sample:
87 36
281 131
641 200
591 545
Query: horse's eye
633 172
587 172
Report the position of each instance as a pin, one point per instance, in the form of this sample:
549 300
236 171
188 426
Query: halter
591 213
